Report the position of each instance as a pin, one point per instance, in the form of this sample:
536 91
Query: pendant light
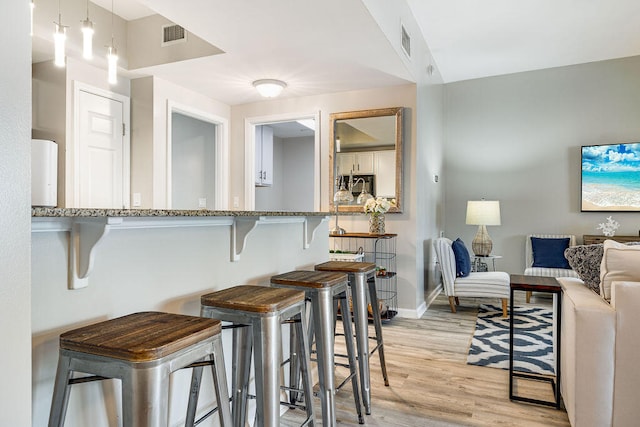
112 56
59 40
87 36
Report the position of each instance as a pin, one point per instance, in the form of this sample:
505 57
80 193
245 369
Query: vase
376 224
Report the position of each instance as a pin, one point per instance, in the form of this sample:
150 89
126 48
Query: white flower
378 205
609 228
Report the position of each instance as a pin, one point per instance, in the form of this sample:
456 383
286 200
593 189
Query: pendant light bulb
87 39
87 36
59 40
112 61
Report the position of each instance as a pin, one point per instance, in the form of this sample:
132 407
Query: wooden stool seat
253 299
310 279
141 350
346 266
140 337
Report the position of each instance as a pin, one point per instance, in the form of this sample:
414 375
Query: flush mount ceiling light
269 88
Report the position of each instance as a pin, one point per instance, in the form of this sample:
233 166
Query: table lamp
482 213
342 196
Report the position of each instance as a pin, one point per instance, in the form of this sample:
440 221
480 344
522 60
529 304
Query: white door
100 152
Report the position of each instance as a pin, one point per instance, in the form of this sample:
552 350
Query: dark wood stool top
255 299
346 266
310 279
140 337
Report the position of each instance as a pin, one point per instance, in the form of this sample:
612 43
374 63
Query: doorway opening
282 163
197 160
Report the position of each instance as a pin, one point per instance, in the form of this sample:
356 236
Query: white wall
15 193
517 139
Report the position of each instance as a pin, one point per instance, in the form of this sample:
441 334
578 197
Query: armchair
490 284
530 270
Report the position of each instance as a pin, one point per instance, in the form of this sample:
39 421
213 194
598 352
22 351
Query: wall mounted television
611 177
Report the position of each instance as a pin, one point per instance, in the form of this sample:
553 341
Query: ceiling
335 45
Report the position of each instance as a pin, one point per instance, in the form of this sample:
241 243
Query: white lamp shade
483 212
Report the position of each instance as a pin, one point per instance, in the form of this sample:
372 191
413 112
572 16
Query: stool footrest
88 379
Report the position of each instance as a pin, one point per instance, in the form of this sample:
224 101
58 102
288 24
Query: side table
481 262
521 282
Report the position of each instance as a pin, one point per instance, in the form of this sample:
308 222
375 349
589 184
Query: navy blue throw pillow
549 252
463 260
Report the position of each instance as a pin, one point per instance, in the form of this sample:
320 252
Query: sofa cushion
463 259
549 252
620 262
585 260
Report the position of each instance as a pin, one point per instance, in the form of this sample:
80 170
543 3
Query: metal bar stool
360 274
142 350
321 288
263 309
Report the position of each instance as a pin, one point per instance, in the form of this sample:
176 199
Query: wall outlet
202 202
137 200
236 201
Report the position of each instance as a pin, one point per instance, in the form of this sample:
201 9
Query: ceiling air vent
406 41
172 34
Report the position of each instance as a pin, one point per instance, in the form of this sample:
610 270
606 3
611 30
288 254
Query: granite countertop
77 212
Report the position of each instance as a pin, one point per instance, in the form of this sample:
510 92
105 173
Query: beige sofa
600 354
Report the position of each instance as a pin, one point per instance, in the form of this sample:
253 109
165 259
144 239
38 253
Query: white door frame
250 124
72 172
221 201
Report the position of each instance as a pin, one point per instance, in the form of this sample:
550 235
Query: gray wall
517 139
292 188
192 162
15 224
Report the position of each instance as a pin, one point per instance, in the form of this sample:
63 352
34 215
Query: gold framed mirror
365 156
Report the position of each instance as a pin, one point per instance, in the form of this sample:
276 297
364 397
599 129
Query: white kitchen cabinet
385 171
361 163
264 156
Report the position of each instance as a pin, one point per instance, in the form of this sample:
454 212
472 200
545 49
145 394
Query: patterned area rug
533 339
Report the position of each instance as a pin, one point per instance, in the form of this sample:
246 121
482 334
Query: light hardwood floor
431 384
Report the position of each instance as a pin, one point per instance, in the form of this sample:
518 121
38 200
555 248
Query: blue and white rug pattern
533 339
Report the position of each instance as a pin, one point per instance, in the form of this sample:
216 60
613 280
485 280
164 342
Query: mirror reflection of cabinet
367 143
264 156
358 163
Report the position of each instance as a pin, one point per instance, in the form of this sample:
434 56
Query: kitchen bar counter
96 213
88 228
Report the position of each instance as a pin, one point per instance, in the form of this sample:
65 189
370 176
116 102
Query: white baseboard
412 314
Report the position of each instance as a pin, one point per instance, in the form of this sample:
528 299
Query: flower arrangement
379 205
609 228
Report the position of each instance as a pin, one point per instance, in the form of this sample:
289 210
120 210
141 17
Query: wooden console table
592 239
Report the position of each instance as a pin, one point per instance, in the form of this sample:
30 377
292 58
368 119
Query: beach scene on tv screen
611 177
